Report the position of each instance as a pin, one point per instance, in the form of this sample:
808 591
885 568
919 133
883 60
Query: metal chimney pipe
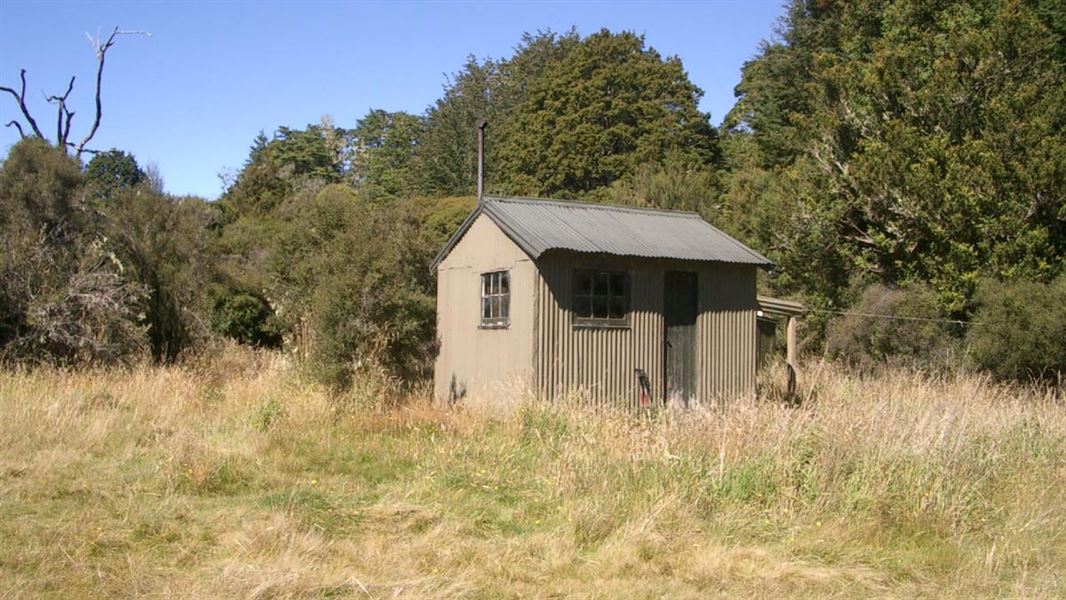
481 125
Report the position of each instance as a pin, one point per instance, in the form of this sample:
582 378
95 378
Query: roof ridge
600 205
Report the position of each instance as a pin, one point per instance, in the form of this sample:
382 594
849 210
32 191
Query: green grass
248 482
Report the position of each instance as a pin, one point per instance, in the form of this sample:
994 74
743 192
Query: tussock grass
237 478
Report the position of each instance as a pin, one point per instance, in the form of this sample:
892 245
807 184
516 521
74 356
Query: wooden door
680 307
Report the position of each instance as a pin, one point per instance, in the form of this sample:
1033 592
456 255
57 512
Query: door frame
692 359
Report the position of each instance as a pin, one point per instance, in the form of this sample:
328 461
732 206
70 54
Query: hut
560 297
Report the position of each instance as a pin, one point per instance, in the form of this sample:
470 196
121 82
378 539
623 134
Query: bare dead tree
64 116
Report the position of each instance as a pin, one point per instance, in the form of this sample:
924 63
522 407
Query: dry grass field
236 478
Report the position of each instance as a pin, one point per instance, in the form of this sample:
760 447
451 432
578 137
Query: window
495 299
601 298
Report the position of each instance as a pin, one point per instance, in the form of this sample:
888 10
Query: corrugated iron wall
600 362
726 331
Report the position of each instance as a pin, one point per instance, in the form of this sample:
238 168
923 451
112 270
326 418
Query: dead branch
61 113
66 125
17 126
63 98
101 55
20 97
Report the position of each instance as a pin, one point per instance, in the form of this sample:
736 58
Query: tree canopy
904 141
113 171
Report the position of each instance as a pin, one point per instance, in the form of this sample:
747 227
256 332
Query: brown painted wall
493 364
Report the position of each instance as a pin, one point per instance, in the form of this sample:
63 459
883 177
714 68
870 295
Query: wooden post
790 340
790 349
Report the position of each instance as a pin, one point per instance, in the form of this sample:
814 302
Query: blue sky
191 98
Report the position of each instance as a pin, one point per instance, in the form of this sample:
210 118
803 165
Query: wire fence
893 317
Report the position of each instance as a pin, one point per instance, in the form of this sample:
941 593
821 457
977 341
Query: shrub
166 246
98 267
64 297
866 341
246 318
40 188
1021 329
356 275
373 307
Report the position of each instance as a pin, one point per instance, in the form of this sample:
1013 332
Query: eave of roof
458 235
780 306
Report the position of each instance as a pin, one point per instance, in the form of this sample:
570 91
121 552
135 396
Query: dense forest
903 158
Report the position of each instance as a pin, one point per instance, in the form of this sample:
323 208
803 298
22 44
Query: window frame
502 321
588 322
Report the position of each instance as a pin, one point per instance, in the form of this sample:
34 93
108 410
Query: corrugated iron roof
541 225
